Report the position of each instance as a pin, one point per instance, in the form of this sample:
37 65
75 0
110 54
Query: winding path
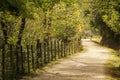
89 65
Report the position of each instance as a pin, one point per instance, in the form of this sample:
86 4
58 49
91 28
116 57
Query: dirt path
87 66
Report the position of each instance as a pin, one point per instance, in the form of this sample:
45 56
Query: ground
89 65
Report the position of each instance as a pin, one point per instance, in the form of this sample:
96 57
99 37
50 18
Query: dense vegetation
105 16
26 21
29 22
35 32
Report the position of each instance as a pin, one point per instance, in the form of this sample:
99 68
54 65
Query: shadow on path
87 66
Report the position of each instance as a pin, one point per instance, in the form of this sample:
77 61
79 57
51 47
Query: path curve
89 65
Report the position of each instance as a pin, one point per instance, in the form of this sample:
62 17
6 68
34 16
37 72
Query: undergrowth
113 66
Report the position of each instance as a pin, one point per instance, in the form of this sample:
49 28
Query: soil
89 65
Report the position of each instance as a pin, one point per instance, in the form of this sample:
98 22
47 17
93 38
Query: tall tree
17 8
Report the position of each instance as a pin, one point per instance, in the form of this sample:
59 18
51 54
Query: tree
104 15
14 9
65 21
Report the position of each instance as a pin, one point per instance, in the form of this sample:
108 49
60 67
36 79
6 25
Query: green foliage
105 13
33 30
50 18
11 13
113 65
65 21
105 16
112 16
19 7
46 4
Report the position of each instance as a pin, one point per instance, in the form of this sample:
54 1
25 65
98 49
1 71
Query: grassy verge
113 66
97 39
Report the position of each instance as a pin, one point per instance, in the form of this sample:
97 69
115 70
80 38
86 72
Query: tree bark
22 27
4 30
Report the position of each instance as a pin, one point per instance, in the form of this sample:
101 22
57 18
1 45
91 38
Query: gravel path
89 65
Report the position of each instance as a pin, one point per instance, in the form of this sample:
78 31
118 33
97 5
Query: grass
97 39
113 66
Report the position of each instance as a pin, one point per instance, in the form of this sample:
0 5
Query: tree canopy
28 20
105 16
58 18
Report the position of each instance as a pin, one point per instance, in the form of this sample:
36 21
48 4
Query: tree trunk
4 30
22 27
